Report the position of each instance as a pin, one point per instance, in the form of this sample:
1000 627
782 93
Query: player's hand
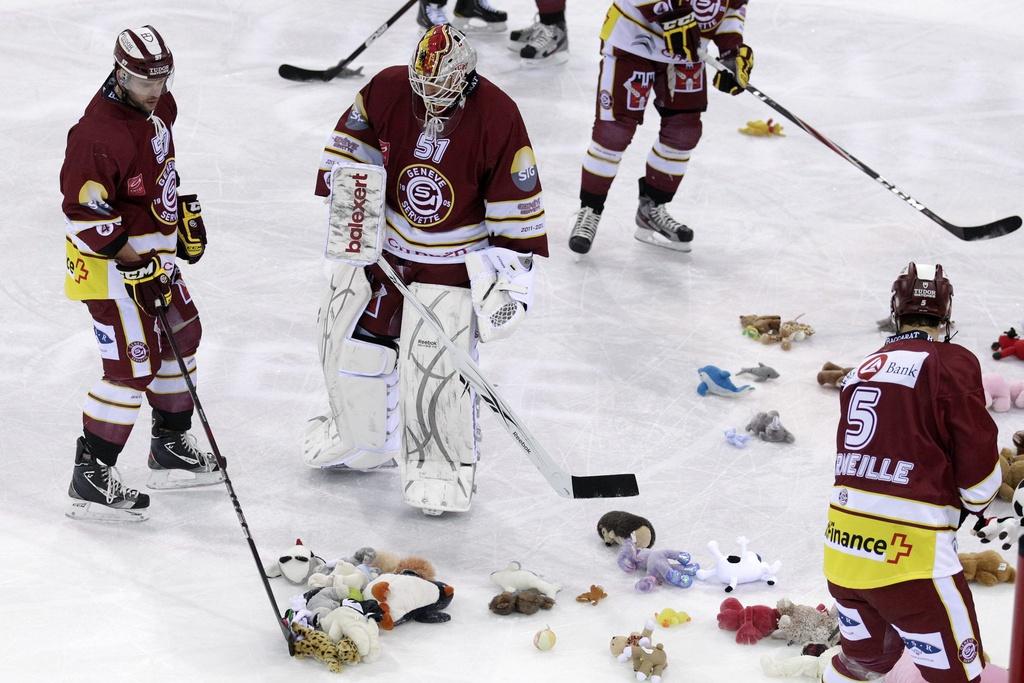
500 281
191 230
147 282
1002 530
740 62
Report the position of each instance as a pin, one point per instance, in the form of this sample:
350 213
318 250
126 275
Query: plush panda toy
296 564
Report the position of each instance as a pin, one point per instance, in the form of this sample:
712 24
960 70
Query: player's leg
358 320
623 87
111 408
478 16
175 460
870 646
547 40
439 410
681 97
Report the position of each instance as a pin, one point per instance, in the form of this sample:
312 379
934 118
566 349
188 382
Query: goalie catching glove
191 230
501 282
147 283
740 62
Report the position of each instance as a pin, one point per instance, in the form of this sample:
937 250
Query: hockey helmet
441 72
922 290
142 53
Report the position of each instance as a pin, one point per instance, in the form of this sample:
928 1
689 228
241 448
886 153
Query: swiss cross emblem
81 272
899 542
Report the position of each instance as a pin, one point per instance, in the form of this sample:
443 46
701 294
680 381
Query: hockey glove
740 62
1003 530
191 230
500 282
147 282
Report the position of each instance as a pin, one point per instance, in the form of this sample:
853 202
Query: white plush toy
345 575
514 578
349 620
732 570
800 665
296 564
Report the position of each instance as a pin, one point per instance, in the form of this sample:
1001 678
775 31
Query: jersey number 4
429 148
861 417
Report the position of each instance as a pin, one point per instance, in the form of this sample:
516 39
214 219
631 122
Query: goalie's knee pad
439 409
361 430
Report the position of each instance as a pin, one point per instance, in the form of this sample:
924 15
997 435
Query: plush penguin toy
296 564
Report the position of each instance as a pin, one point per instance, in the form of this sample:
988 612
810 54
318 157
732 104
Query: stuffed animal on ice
295 564
595 595
1001 395
312 643
756 325
768 329
528 601
1009 344
987 568
1012 467
405 597
514 578
832 375
802 665
668 617
377 562
620 645
761 373
751 624
802 624
762 129
768 427
345 577
616 526
351 620
657 566
716 381
649 661
732 570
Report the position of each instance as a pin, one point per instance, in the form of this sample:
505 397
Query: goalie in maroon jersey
916 452
464 219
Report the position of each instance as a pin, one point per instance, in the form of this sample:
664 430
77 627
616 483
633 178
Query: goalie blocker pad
355 229
361 429
439 409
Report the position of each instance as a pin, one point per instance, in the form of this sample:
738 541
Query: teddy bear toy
987 568
595 595
832 375
756 325
616 526
802 624
751 624
1009 344
527 601
1001 395
658 566
733 570
1012 467
768 427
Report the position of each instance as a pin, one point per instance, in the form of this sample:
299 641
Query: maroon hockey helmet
143 54
922 290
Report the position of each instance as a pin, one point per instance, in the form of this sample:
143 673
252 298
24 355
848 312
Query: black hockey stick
295 73
168 333
1003 226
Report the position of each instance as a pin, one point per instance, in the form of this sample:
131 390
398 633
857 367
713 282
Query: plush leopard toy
313 643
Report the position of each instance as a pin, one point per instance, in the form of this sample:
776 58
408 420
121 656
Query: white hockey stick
355 235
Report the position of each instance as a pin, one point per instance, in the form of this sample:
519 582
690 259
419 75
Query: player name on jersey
871 467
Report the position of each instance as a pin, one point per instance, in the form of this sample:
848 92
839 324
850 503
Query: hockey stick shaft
169 335
1017 633
995 229
295 73
567 486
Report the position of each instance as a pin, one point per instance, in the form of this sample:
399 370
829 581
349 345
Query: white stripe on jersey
977 497
896 509
169 379
418 245
112 403
960 623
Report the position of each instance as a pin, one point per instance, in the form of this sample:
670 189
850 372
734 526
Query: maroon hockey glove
740 62
147 283
191 230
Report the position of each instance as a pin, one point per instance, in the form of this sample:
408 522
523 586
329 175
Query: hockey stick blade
297 73
988 231
605 486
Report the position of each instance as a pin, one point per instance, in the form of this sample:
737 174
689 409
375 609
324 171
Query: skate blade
478 26
95 512
655 238
557 59
164 480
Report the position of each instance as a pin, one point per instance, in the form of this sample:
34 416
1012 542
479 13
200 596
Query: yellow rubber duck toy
763 129
668 617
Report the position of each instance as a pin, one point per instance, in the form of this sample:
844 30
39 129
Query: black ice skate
518 38
431 14
97 493
478 16
176 463
584 230
655 226
548 44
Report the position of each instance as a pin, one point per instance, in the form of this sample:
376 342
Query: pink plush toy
1001 395
906 672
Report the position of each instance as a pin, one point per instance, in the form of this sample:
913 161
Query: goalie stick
168 333
297 73
1003 226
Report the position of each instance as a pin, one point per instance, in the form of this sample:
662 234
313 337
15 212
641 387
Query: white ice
604 370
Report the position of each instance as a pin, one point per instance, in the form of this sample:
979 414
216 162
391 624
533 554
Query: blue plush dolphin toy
716 381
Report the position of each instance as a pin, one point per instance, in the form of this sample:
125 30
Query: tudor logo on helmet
922 290
142 53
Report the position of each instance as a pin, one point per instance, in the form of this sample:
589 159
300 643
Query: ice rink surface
603 370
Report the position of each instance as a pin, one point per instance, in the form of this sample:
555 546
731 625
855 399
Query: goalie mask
143 66
922 290
442 74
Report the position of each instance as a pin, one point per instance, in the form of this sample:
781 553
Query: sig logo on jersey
93 195
638 89
524 170
165 204
356 120
425 196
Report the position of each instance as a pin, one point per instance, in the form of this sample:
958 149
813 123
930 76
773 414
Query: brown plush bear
831 375
761 324
595 595
527 601
987 568
1012 466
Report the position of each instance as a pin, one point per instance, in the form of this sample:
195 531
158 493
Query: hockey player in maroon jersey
463 209
651 50
916 452
125 224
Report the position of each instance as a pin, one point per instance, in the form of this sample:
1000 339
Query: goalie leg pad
361 429
439 410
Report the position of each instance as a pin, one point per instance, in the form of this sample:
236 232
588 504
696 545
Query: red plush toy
1009 344
750 623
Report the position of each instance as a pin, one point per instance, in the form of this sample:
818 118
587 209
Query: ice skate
323 447
655 226
431 15
584 230
175 462
478 16
548 44
518 38
97 493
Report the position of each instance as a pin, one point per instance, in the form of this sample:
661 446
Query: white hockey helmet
441 73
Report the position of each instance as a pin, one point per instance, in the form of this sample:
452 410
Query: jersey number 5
861 417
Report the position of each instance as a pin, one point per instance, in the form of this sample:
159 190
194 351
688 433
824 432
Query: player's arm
353 139
734 53
88 181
